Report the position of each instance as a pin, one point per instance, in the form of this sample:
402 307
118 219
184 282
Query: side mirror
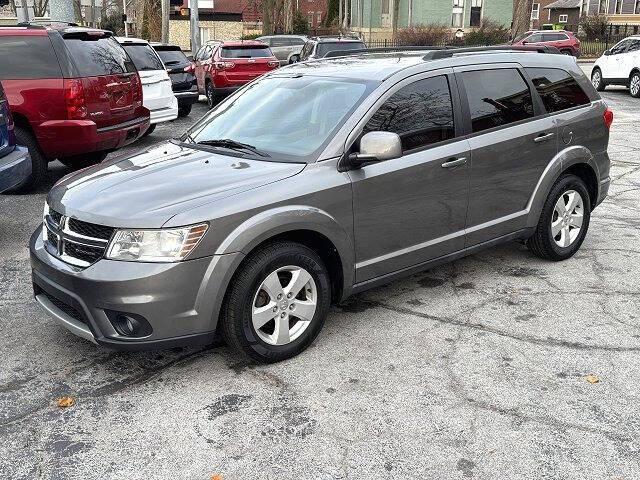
607 52
377 147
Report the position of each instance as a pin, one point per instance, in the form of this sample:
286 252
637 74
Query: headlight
164 245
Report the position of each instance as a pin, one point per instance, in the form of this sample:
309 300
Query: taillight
223 65
190 68
607 116
74 98
274 64
136 86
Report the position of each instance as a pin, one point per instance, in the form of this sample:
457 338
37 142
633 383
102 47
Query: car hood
147 189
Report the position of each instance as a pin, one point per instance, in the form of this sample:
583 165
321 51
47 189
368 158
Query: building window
457 17
385 17
618 7
310 15
319 18
636 9
476 13
563 18
602 7
535 11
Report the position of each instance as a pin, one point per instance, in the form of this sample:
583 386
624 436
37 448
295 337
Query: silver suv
318 181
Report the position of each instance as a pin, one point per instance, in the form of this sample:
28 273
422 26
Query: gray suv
318 181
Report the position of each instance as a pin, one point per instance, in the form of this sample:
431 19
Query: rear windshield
23 57
172 57
98 56
324 48
245 52
144 57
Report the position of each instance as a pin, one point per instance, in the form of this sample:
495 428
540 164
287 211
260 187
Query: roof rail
408 48
42 23
450 52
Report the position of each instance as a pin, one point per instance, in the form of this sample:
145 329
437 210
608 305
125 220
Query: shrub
300 24
594 26
488 33
432 34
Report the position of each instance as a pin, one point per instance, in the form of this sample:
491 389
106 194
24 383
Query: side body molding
563 160
287 218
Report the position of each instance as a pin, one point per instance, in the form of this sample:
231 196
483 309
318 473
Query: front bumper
14 168
180 301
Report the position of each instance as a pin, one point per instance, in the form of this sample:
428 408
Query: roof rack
43 23
408 48
450 52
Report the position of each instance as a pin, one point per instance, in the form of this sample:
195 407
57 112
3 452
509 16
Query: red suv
74 93
223 67
564 41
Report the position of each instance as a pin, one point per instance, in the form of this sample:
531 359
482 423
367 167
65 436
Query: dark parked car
182 73
318 182
564 41
318 47
224 67
73 92
15 163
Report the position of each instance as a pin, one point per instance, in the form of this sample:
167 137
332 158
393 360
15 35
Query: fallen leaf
65 402
216 477
592 379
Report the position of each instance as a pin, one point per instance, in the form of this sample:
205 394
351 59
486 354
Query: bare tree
40 7
521 17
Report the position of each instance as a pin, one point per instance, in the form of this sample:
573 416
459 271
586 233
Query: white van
157 93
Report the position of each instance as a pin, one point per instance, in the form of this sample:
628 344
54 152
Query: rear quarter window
245 52
173 57
558 89
94 57
28 58
144 57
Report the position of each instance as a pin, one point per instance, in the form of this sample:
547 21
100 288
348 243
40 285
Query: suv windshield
326 47
288 119
173 57
95 56
144 57
245 52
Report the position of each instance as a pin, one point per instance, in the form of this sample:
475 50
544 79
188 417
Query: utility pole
165 21
195 26
124 17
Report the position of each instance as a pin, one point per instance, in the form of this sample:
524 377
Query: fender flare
562 161
276 221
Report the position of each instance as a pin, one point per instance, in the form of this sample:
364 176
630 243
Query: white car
157 94
619 66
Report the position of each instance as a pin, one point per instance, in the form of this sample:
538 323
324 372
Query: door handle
543 137
454 162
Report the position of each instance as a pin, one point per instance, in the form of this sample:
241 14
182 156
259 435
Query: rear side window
25 57
557 88
98 56
144 57
173 57
421 113
497 98
245 52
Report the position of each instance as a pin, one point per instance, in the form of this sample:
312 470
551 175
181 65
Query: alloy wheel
596 78
284 305
634 86
567 218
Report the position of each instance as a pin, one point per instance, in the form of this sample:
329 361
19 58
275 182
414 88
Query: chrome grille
74 241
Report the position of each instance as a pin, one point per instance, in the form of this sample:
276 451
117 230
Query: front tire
634 84
294 59
184 110
564 220
597 81
277 302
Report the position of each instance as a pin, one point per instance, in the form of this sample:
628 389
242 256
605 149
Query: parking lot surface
496 366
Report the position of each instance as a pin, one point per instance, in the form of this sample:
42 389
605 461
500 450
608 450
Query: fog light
129 324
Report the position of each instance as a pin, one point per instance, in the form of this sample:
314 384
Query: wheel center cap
284 304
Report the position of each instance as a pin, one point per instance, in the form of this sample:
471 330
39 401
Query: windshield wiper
232 145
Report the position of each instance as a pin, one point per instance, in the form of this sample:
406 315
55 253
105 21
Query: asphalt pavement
497 366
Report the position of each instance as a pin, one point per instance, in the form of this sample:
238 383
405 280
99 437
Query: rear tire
149 130
597 81
278 282
566 52
294 59
564 220
84 160
184 110
212 97
634 84
39 163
